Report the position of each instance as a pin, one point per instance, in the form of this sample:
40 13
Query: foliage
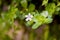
18 9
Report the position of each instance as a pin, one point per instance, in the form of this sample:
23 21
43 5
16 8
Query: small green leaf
29 23
38 18
44 13
36 25
24 3
44 2
58 9
58 4
51 8
31 7
48 20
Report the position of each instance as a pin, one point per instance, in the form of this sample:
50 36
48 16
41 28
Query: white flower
29 17
44 13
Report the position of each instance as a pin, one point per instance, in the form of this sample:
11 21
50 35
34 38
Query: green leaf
38 18
36 25
58 4
45 13
31 7
44 2
51 8
58 9
48 20
24 3
29 23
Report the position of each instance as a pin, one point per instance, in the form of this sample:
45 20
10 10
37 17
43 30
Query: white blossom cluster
28 17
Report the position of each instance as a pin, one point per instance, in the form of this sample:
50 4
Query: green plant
27 14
